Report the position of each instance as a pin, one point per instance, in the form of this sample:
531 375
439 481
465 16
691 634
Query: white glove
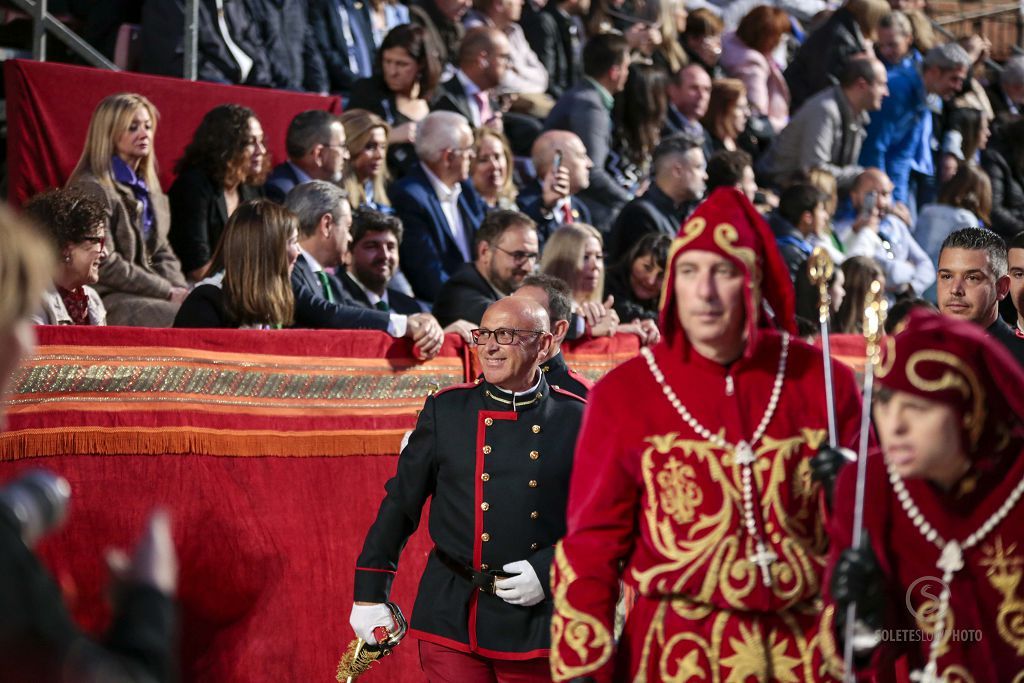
523 589
365 618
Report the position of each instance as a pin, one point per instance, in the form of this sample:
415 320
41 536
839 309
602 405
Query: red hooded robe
653 502
956 363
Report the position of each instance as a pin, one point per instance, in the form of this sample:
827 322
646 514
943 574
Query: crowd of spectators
482 143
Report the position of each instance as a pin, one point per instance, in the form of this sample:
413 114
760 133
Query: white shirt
244 61
449 198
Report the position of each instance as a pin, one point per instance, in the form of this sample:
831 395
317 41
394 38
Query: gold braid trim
571 628
966 382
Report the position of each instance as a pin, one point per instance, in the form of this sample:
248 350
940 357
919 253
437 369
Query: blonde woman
140 280
575 253
367 171
252 265
492 170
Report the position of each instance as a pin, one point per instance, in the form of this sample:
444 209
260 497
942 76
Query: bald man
495 457
563 170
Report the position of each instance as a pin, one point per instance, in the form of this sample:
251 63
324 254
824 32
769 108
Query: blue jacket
429 253
899 134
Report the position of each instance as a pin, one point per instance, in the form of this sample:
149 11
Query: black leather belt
481 580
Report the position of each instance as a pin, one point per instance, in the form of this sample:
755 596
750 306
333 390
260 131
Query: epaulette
464 385
559 390
581 379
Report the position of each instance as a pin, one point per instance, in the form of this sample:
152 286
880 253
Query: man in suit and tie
551 199
373 261
316 148
439 208
484 58
680 175
321 300
586 110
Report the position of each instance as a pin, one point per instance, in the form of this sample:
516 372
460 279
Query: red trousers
445 665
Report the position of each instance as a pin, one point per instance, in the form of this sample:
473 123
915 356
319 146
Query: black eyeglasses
519 256
503 335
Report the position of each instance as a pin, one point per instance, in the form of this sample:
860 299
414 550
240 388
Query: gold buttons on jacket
485 477
534 515
488 421
534 455
533 484
485 537
534 546
485 506
487 450
536 429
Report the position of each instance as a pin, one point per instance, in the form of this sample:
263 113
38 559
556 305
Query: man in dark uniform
495 456
555 297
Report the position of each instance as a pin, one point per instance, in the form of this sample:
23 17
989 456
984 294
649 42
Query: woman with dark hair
140 280
639 114
851 30
252 265
967 134
727 117
1003 160
635 281
702 40
747 55
77 226
858 274
225 164
406 71
807 295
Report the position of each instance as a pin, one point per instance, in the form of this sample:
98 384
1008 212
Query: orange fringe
33 443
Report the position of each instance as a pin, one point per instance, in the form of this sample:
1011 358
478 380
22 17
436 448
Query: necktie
328 294
567 213
382 305
483 102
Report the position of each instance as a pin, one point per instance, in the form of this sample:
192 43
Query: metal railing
43 22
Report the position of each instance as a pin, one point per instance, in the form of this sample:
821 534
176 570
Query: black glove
857 579
825 467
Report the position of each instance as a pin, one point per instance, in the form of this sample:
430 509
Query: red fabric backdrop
49 106
271 450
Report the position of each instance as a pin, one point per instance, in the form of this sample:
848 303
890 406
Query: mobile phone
557 164
870 199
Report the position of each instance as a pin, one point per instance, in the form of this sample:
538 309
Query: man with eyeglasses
316 148
506 252
495 458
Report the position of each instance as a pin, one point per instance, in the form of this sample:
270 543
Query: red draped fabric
271 450
49 106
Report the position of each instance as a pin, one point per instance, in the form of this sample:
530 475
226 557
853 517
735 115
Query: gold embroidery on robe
1004 573
584 634
712 544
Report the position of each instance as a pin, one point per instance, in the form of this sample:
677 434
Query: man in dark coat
555 297
495 458
679 171
973 280
506 252
321 300
373 261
